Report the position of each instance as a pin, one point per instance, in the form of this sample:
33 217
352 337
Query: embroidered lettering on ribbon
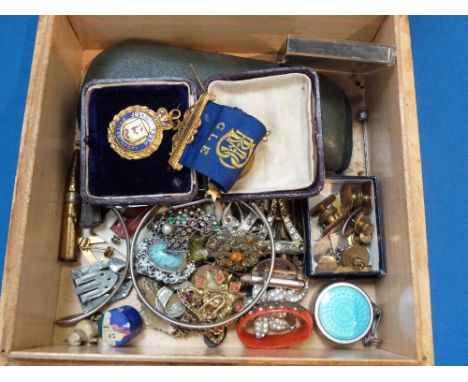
234 149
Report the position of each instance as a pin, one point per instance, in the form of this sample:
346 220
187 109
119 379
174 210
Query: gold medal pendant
137 131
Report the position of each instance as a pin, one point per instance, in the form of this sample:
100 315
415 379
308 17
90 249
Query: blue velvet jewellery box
109 179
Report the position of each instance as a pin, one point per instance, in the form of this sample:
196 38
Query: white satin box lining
283 103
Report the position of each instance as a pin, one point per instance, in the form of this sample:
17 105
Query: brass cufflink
355 196
364 228
356 257
358 228
355 239
329 218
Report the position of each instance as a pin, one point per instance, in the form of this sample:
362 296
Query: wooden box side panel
386 161
415 195
259 34
209 356
32 272
395 158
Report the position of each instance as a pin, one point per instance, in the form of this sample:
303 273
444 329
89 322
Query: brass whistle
68 250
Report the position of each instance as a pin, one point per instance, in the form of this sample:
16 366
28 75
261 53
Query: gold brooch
212 294
137 131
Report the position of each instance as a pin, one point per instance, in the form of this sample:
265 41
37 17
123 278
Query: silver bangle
148 216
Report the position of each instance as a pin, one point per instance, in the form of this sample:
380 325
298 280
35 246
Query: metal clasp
372 337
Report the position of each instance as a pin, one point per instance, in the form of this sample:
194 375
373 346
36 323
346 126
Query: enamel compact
344 313
137 131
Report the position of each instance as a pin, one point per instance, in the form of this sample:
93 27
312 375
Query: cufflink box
109 179
37 288
318 246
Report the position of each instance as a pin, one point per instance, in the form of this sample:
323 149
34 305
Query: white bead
167 229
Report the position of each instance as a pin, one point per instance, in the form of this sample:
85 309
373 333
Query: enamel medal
137 131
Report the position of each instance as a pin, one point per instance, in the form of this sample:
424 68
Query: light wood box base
37 288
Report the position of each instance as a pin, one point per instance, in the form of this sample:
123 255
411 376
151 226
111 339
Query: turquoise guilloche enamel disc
343 313
168 261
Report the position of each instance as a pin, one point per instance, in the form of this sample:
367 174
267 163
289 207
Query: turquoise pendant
166 260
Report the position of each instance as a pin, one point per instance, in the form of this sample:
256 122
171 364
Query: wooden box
37 288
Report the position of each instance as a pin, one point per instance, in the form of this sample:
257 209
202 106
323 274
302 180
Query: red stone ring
280 340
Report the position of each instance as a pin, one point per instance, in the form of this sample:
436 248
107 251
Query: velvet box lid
290 163
107 178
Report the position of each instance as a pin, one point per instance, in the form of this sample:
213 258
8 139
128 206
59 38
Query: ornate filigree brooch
236 250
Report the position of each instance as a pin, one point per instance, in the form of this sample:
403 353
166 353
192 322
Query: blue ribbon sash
223 145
